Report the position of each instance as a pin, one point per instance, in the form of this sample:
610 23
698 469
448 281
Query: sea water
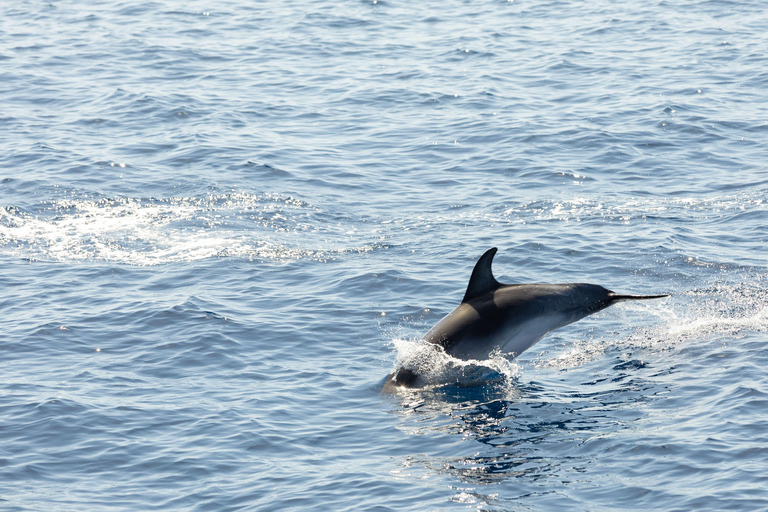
222 224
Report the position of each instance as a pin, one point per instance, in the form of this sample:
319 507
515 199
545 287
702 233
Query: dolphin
510 318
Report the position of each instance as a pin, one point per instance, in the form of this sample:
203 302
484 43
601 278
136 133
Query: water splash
722 309
436 368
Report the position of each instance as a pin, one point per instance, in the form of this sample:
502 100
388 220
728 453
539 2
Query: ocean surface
222 224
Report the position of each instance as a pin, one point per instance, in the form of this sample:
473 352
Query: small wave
582 208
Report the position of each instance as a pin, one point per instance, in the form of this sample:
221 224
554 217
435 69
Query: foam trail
151 231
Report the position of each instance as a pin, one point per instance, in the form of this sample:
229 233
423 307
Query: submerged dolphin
508 317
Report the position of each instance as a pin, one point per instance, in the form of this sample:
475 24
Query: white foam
154 231
435 367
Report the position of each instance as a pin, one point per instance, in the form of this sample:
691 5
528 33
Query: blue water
222 224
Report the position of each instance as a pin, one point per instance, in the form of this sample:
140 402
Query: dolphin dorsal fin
482 280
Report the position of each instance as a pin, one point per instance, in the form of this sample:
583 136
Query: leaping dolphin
508 317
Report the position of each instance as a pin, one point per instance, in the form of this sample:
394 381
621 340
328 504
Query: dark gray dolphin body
508 317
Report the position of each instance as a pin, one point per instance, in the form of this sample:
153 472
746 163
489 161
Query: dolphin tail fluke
615 297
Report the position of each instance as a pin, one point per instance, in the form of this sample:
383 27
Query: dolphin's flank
508 317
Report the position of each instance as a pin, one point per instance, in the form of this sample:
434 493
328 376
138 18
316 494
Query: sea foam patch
150 231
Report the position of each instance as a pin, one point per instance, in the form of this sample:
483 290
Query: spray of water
723 309
431 363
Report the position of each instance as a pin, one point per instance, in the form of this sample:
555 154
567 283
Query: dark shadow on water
531 432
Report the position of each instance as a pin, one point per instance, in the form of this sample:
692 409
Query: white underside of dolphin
509 318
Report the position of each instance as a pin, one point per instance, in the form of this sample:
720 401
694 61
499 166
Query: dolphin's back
510 318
